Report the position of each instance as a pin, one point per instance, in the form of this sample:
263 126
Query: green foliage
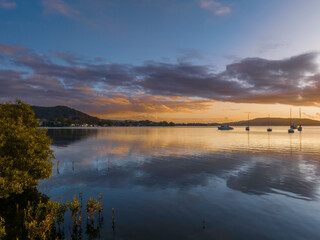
31 215
25 154
61 210
26 157
75 208
40 219
93 206
12 210
2 228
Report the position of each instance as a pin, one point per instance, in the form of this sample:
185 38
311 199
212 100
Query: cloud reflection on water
184 158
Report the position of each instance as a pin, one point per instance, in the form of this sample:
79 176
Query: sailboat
269 129
292 126
300 125
291 130
248 127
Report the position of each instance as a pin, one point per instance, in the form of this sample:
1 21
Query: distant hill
64 116
60 112
275 122
61 116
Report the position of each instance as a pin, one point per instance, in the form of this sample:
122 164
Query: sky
173 60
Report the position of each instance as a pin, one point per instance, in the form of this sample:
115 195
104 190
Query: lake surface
192 182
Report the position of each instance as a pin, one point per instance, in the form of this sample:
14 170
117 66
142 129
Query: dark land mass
276 122
62 116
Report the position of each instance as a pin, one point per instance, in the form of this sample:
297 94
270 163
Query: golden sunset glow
220 112
213 70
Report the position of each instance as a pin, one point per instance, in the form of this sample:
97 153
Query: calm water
193 183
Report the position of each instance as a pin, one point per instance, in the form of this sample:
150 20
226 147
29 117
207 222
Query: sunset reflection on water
171 178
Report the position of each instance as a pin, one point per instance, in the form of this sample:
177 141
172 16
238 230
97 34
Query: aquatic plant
61 210
40 219
94 206
91 208
75 209
113 220
100 205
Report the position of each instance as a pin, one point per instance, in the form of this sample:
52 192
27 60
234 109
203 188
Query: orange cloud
145 104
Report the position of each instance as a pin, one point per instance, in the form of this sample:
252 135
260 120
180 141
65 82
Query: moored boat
300 125
248 127
291 129
269 128
222 127
293 126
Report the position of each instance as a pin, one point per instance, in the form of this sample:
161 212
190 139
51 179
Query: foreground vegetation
25 158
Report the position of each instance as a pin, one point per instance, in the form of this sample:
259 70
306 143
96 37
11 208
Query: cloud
118 104
189 55
67 57
59 7
95 87
271 46
7 4
215 7
11 50
293 80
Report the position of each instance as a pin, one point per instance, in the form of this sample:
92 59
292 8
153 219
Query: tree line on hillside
62 116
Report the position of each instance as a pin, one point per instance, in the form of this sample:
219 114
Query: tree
25 154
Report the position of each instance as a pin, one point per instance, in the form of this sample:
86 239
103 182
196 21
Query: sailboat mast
290 115
300 115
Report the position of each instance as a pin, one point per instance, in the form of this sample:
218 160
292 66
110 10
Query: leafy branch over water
25 158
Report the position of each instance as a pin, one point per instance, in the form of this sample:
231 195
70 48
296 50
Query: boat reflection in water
165 183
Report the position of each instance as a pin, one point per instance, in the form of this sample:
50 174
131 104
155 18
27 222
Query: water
193 182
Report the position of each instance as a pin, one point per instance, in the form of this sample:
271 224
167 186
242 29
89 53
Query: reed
75 209
40 219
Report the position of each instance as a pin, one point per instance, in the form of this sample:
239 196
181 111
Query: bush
25 154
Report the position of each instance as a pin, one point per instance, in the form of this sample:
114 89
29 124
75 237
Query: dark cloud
154 86
67 57
11 50
183 80
253 80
